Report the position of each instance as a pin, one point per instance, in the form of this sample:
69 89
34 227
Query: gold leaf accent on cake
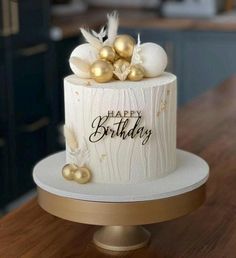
84 82
77 93
103 156
163 105
70 138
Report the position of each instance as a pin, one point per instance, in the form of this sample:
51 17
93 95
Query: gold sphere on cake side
136 73
82 175
124 46
69 170
101 71
107 53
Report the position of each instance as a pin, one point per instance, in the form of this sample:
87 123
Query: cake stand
122 209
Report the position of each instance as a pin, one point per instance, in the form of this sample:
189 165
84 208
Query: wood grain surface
207 127
135 18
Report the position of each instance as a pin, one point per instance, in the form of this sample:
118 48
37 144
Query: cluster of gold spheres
73 172
115 57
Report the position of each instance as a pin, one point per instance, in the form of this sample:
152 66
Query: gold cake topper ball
136 73
124 46
101 71
107 53
94 59
81 175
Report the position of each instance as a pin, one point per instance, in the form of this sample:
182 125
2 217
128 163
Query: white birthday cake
120 110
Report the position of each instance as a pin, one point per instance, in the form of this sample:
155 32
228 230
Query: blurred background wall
37 37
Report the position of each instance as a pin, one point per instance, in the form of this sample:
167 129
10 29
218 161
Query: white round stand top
191 172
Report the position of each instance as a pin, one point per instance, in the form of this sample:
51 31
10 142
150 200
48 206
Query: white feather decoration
112 27
92 40
83 154
73 156
81 64
71 139
136 57
101 34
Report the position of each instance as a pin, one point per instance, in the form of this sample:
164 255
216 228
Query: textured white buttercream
114 160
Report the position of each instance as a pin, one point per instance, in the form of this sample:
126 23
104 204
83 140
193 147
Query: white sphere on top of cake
81 58
154 59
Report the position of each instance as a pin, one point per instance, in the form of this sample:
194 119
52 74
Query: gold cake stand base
121 238
122 221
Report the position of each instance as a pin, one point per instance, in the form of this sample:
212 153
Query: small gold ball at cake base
101 71
136 73
107 53
68 171
124 46
82 175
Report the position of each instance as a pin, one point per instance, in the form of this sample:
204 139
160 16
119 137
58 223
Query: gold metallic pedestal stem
121 238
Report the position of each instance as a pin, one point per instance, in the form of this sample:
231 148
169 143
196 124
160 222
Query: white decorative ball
154 59
87 53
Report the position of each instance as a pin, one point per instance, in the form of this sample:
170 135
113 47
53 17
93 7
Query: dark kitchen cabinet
35 133
27 94
2 83
4 162
32 108
4 171
30 83
31 146
30 22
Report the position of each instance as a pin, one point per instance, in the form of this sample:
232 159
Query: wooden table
207 127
